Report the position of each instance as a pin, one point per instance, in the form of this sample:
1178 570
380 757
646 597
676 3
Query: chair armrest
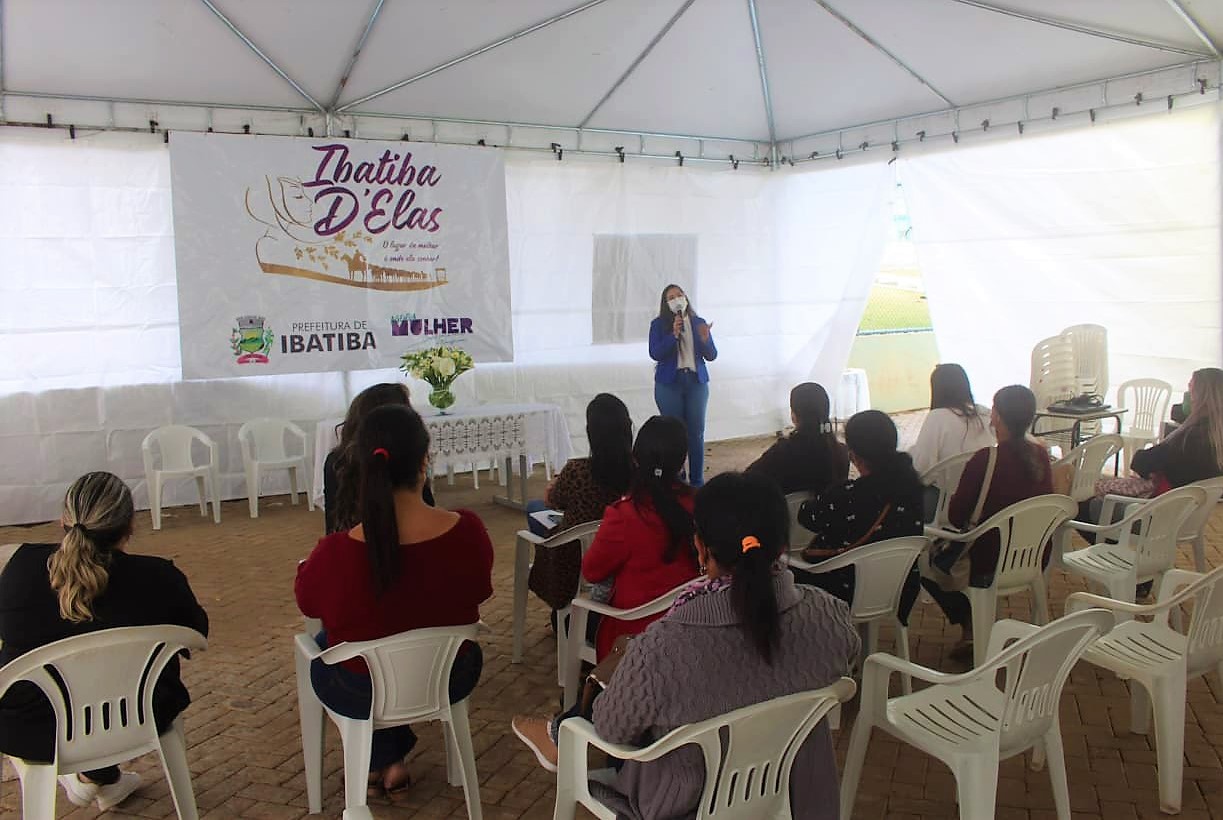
530 537
305 646
660 604
1079 601
949 535
585 732
891 664
1174 581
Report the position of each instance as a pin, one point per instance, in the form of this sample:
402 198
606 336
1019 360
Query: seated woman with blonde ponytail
86 583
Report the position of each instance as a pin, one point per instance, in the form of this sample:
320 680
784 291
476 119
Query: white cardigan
945 434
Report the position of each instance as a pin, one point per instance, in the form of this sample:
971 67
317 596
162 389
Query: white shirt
945 433
687 354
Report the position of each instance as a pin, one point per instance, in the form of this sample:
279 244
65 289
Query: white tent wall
1117 224
89 350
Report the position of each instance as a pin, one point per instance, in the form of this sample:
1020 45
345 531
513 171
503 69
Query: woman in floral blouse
885 501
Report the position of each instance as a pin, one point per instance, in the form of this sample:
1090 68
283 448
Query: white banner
308 255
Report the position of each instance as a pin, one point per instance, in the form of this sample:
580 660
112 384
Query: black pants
955 605
840 583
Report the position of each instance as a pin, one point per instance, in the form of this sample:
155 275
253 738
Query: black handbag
555 574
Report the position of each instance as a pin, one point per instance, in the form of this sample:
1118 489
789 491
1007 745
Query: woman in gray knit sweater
743 634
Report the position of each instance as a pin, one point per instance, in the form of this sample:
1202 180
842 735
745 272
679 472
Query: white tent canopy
750 78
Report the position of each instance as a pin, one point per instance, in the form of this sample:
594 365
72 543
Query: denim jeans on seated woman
351 694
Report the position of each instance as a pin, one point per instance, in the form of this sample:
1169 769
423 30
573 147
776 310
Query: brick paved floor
245 747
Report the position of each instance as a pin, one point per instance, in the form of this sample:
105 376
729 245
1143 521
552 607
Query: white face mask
678 304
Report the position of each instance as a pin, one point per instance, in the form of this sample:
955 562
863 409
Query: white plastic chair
1193 531
1053 379
1087 463
174 445
1146 544
946 477
1147 400
800 536
577 649
1089 344
969 721
880 572
263 449
100 686
584 534
1023 529
746 778
410 674
1159 661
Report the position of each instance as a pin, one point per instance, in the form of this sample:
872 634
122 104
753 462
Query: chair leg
522 569
293 485
216 496
1140 708
306 491
475 476
855 757
469 778
252 489
1057 771
38 787
356 737
575 638
984 604
1168 699
902 651
310 715
1199 552
173 751
1040 602
562 643
201 488
155 500
976 783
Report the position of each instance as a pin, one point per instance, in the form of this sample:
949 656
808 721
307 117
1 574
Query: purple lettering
376 212
465 326
333 222
416 327
428 175
439 326
452 325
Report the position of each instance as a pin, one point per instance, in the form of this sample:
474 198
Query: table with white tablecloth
480 434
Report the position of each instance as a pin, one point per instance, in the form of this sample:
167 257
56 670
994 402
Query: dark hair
391 448
871 436
1016 409
949 388
609 429
730 508
665 313
658 456
347 478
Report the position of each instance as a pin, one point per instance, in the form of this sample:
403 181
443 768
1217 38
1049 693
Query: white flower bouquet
438 367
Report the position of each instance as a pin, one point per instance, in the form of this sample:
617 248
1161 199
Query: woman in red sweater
644 544
405 566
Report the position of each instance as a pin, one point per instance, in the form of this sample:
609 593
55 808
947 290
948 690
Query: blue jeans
686 399
351 694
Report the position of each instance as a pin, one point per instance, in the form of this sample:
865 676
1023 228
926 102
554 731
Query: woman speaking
681 343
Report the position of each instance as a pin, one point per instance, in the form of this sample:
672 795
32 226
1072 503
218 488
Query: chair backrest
100 686
1195 523
799 535
1206 623
749 778
1156 528
1036 670
946 477
264 439
880 572
1087 462
1090 346
410 671
1147 400
1053 371
1024 528
174 443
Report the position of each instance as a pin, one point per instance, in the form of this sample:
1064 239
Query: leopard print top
578 495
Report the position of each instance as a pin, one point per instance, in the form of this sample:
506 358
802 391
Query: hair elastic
826 427
750 542
381 451
658 472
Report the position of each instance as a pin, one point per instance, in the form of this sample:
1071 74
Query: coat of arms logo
251 340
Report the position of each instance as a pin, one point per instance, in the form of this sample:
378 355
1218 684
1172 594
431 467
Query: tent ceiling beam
633 65
1194 26
259 52
875 44
509 38
356 53
764 80
1081 29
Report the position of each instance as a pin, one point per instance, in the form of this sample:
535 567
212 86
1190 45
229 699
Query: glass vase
441 398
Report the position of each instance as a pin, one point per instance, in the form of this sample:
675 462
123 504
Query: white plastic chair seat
1193 531
109 672
410 676
174 444
263 449
1135 645
934 717
762 741
526 541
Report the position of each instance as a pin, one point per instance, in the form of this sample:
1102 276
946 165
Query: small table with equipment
1077 417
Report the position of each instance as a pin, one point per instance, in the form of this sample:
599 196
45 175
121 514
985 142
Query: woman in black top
83 584
340 479
810 459
885 501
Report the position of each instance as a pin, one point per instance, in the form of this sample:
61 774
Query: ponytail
658 454
1016 408
391 447
743 521
97 517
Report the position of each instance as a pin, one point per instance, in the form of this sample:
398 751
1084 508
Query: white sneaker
79 792
114 794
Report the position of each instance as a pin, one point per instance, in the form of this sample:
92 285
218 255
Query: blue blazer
664 349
